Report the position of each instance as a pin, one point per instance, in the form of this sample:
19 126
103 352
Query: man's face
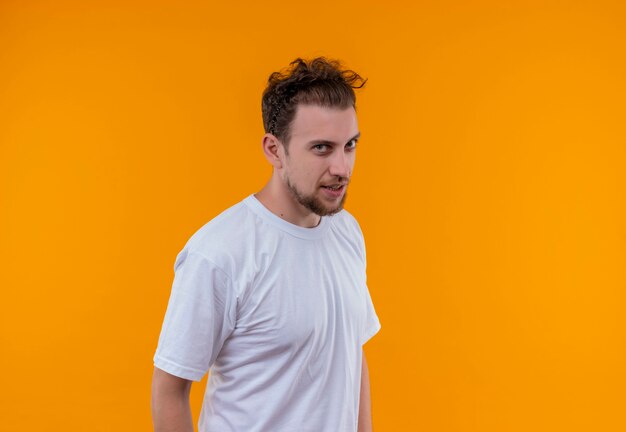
320 158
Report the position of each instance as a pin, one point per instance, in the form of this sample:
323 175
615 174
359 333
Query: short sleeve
372 323
200 316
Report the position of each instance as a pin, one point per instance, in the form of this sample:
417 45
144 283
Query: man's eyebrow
327 142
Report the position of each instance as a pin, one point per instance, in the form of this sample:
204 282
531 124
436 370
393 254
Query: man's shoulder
346 222
222 234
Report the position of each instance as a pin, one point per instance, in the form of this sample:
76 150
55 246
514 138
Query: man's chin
331 209
318 203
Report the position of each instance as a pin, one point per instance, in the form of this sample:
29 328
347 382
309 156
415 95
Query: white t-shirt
278 313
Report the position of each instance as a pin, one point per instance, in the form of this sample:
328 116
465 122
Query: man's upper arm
166 382
200 316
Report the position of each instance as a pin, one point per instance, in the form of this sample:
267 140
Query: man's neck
279 200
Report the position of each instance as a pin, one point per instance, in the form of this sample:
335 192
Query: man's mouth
334 187
334 191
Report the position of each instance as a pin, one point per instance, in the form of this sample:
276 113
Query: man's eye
320 147
351 145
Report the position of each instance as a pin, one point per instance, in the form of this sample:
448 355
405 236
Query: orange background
490 186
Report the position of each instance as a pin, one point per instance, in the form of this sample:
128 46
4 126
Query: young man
271 294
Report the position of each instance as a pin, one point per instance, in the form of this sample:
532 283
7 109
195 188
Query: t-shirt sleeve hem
371 332
178 370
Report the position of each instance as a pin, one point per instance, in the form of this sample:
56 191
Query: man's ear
273 150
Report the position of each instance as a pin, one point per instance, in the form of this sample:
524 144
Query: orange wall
490 185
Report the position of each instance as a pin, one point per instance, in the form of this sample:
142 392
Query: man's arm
365 404
170 403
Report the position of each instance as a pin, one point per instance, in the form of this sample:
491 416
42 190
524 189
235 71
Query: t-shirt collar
305 233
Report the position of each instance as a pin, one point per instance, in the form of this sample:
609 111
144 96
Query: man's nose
340 165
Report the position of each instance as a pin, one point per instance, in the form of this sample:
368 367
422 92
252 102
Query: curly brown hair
319 81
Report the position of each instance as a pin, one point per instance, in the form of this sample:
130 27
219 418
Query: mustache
340 181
